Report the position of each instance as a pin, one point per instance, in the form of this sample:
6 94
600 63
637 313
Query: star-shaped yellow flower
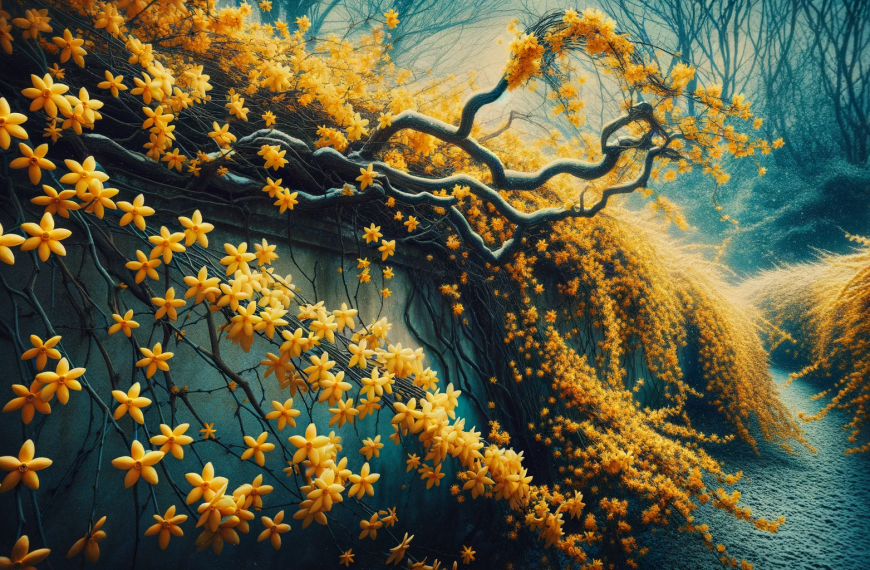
257 448
171 440
166 527
46 94
42 351
195 229
137 464
144 266
284 413
113 83
56 202
167 305
61 381
154 359
367 176
70 46
33 160
22 469
45 239
130 402
274 529
135 212
28 401
204 486
165 244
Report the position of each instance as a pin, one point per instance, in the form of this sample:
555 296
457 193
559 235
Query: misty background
805 64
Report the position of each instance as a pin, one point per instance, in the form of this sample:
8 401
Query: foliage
597 307
818 312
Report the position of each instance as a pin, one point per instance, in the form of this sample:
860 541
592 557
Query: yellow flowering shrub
817 315
570 316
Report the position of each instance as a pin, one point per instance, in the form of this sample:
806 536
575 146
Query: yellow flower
346 412
148 88
215 509
309 446
346 557
167 305
205 486
385 120
125 323
273 187
202 287
45 238
286 200
53 131
257 448
89 543
85 175
56 202
370 527
237 107
195 229
113 83
398 552
273 529
135 212
362 483
237 258
467 554
28 401
265 253
165 244
284 413
412 224
476 481
372 233
10 124
171 440
99 198
62 380
70 46
208 431
130 401
252 493
144 267
432 477
387 249
22 469
221 135
357 127
42 351
174 159
388 273
154 359
371 447
366 177
304 23
392 19
166 526
33 161
46 94
19 558
138 463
